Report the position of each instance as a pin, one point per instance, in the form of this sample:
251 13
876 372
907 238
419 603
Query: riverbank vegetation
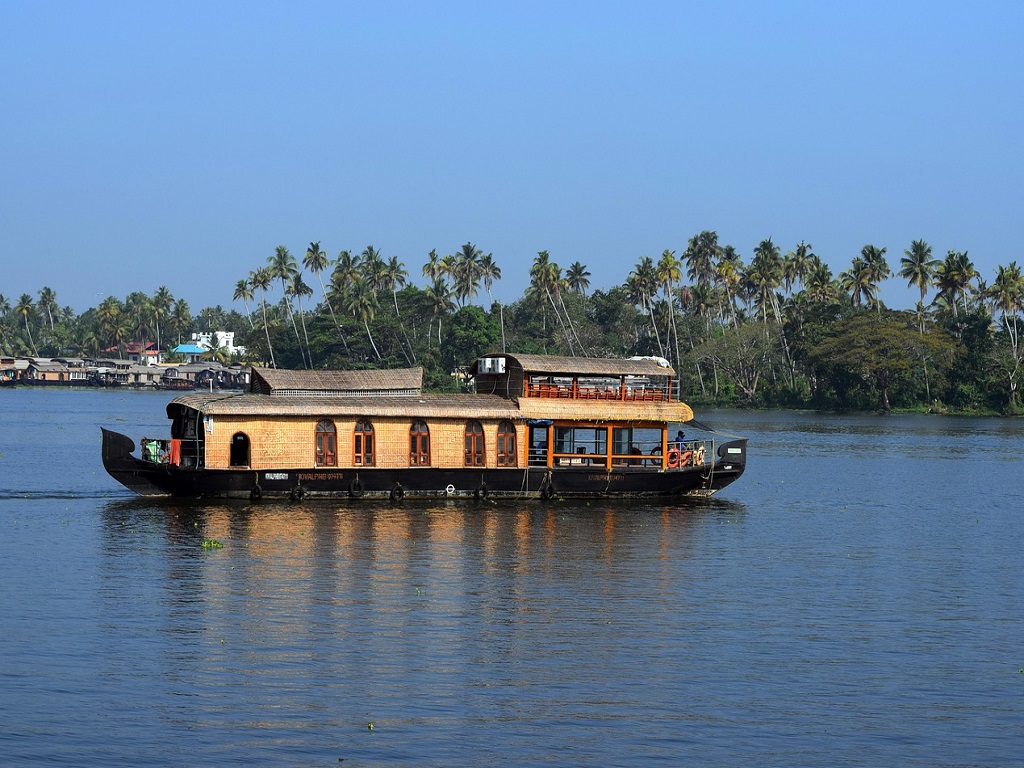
780 330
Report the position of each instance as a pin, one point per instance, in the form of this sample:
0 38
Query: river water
856 598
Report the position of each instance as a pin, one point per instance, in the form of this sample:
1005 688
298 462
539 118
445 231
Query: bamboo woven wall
291 443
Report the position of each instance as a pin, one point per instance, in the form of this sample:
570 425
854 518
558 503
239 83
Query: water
854 599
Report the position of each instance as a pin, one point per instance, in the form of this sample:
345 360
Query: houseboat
533 426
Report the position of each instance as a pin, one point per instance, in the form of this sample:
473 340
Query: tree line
780 330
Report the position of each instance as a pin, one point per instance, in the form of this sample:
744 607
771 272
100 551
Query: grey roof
277 381
586 366
401 406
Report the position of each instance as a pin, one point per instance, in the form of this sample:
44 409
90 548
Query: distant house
8 370
78 371
193 353
205 374
43 371
226 340
150 355
144 375
135 353
111 372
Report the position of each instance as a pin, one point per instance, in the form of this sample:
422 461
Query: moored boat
535 426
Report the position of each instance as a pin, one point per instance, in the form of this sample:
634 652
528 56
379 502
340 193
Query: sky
148 144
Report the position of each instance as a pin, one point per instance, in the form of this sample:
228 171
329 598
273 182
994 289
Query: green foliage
469 333
779 331
881 355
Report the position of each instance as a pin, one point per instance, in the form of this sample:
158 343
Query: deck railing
571 392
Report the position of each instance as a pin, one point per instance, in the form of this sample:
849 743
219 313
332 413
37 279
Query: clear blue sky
177 143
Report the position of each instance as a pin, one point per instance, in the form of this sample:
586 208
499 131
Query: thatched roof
277 382
603 410
555 365
429 406
373 406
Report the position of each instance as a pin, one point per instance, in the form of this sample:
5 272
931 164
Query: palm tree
284 267
858 283
578 278
346 270
1007 294
108 313
394 278
243 293
440 295
820 286
763 277
797 264
668 272
878 268
728 273
432 269
641 286
466 273
139 311
181 317
917 266
297 287
372 267
48 303
489 272
361 301
700 257
160 305
316 261
260 279
26 309
545 280
955 277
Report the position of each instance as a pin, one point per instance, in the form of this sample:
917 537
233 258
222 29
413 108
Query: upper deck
574 378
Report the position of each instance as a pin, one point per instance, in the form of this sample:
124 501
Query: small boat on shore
534 426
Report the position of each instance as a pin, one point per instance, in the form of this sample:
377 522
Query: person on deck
680 440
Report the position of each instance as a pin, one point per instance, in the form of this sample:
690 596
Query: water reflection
279 562
428 612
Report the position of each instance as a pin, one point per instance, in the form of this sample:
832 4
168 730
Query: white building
226 341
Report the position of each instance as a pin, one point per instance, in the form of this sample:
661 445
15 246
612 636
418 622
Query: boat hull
148 478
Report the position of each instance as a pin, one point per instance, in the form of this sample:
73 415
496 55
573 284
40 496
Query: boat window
538 446
474 444
573 443
326 444
629 442
363 444
506 444
419 444
240 450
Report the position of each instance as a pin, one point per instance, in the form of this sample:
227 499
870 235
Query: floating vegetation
212 544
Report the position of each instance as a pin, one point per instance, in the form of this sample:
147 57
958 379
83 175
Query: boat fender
684 460
547 491
355 488
482 492
672 459
298 492
256 493
398 492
